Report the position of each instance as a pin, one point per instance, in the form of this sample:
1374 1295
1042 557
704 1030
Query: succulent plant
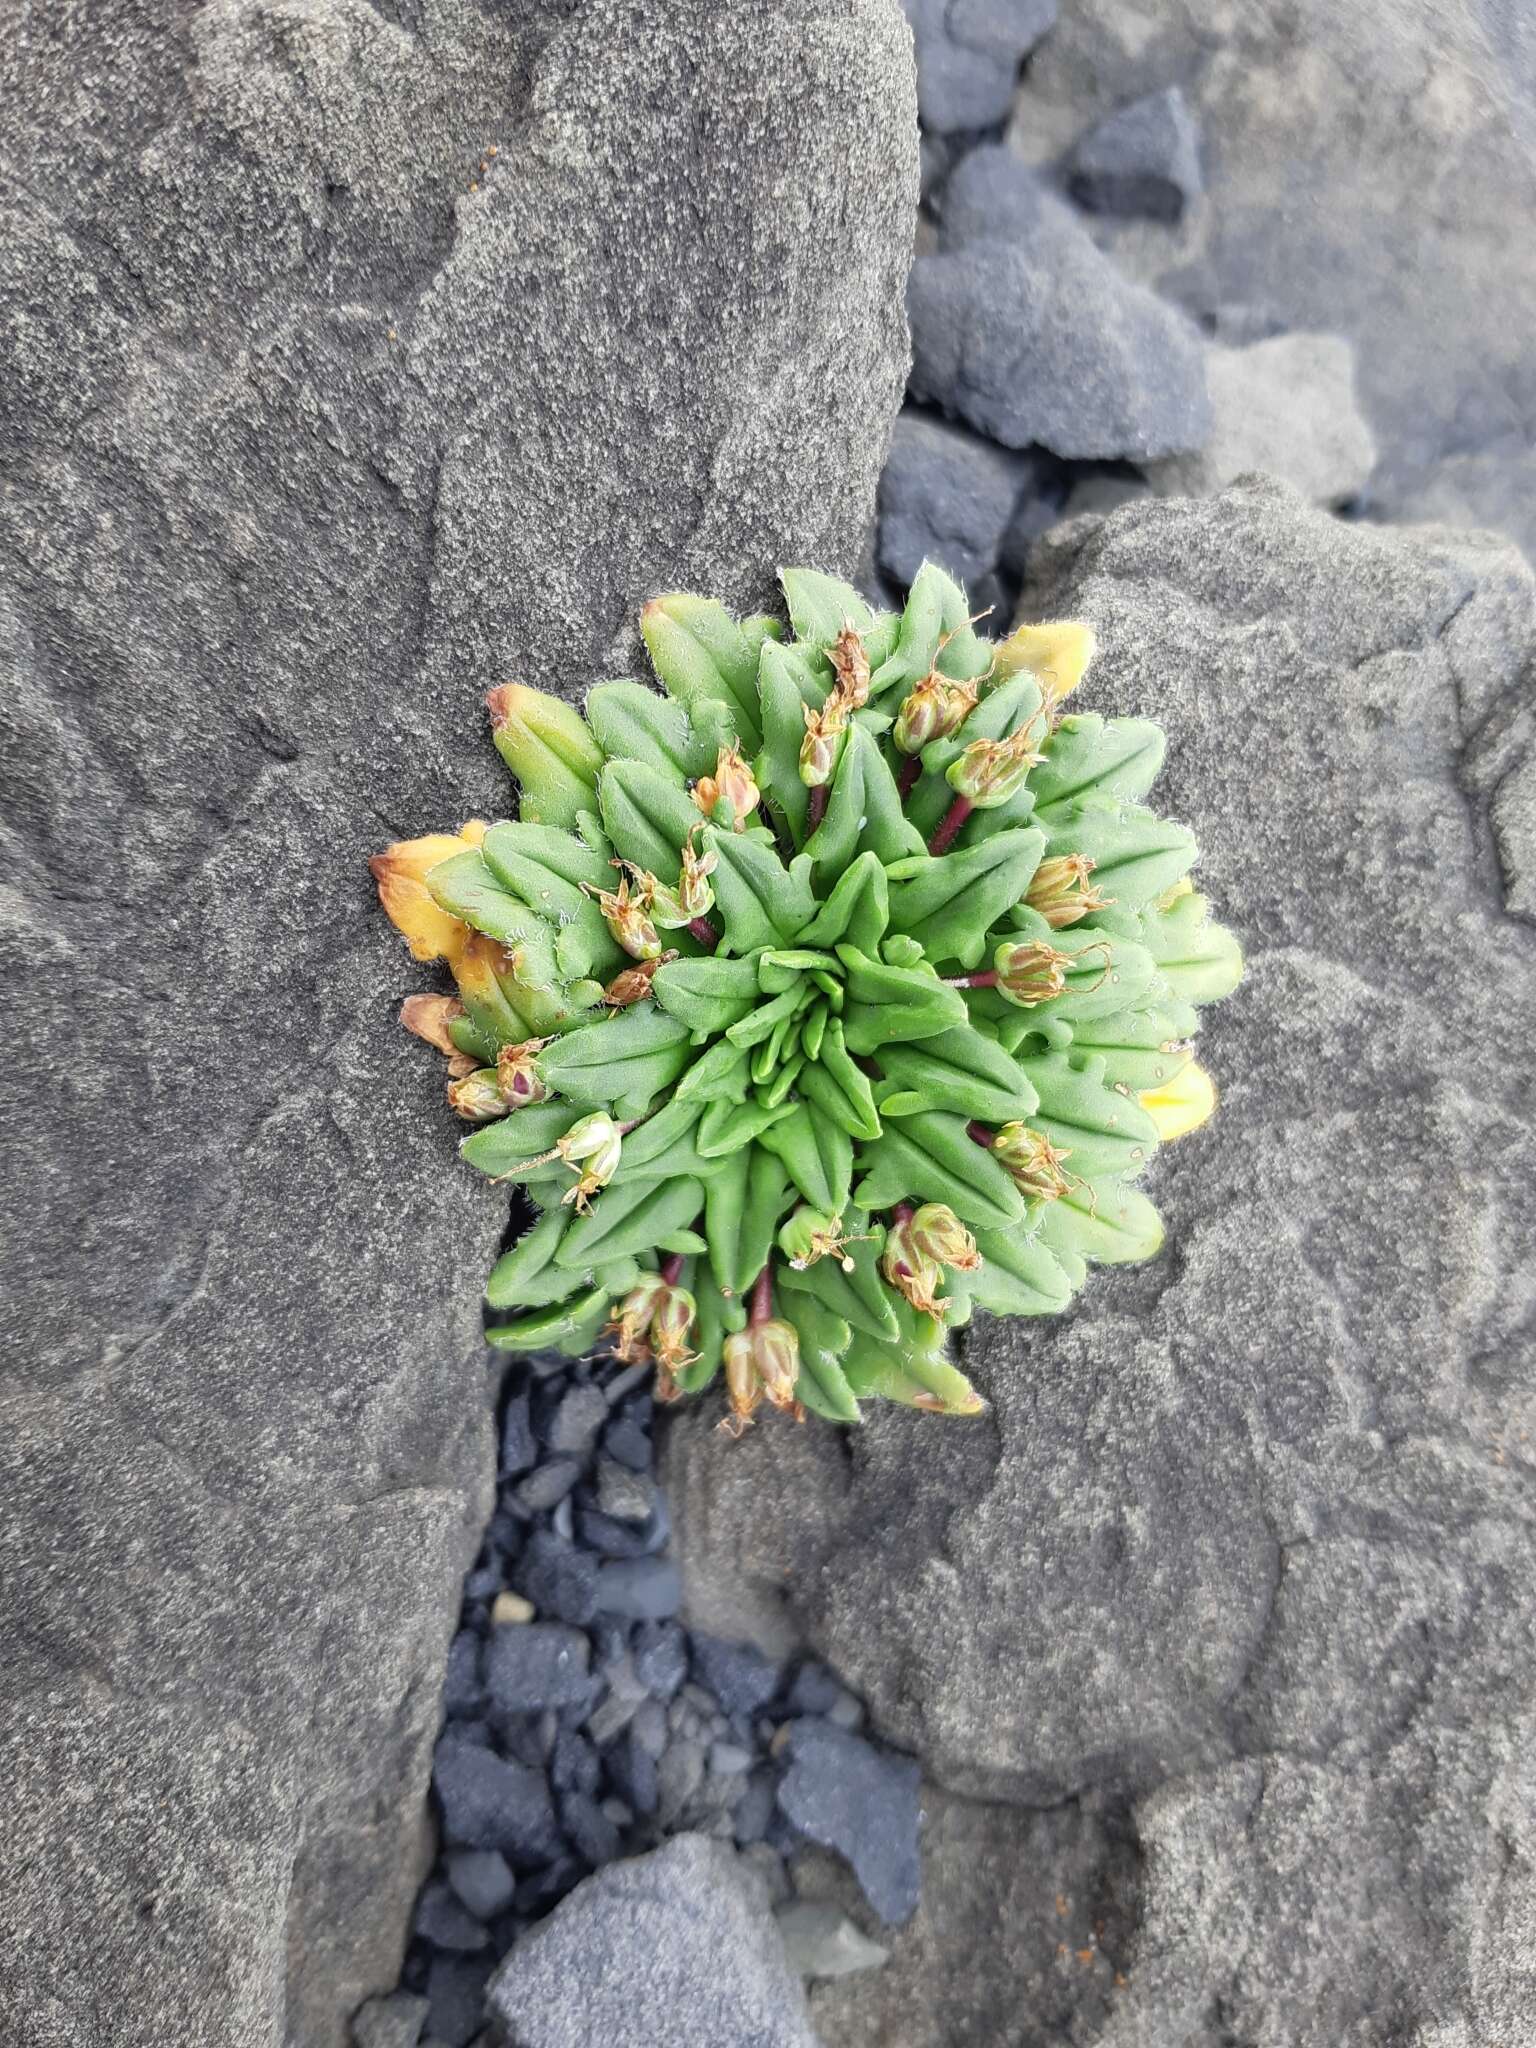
839 988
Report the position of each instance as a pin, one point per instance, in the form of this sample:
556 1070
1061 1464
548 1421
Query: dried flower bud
428 1018
935 707
910 1271
672 1322
476 1097
1060 890
631 1320
627 915
821 748
811 1234
731 785
938 1234
1032 1161
693 897
777 1355
1029 971
516 1075
989 772
850 664
633 984
743 1387
591 1149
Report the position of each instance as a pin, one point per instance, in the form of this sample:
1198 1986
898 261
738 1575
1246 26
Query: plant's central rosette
843 989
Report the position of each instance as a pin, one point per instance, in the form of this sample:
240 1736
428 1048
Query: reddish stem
949 825
671 1268
911 768
762 1296
904 1212
819 797
988 977
978 1133
704 932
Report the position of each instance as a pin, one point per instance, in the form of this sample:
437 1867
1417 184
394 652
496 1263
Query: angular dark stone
1142 159
632 1774
813 1689
456 1998
482 1880
488 1803
661 1657
537 1664
546 1485
574 1766
589 1829
519 1446
572 1429
861 1801
609 1538
625 1440
739 1676
559 1579
443 1919
462 1690
623 1494
946 496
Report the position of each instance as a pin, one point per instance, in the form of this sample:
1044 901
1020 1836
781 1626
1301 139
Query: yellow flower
1182 1104
1056 654
401 872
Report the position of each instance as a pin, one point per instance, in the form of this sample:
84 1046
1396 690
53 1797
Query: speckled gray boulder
1023 328
669 1950
308 443
1285 406
1245 1542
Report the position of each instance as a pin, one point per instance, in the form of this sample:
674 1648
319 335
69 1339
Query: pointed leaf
1136 855
1090 756
630 1218
760 901
820 606
949 905
817 1156
1105 1134
633 723
699 651
502 1148
708 994
1140 1048
1020 1276
647 817
728 1126
550 750
1107 1224
1197 960
932 1158
857 910
625 1060
573 1327
864 812
466 888
824 1337
960 1071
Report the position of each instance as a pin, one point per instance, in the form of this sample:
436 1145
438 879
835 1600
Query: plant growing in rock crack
840 988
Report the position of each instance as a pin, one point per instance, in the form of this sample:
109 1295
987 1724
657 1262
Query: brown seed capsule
591 1149
627 915
989 772
731 784
633 984
910 1271
1032 1161
516 1075
850 665
1030 972
933 709
630 1322
1060 890
476 1097
938 1234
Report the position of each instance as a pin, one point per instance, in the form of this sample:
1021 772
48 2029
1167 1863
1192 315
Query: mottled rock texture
1245 1541
668 1950
355 359
1370 172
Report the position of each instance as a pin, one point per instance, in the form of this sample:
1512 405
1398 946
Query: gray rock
625 1494
1264 1502
307 445
739 1676
1335 177
489 1803
968 57
1141 159
1024 1923
443 1919
861 1801
1284 406
456 1999
639 1588
823 1942
945 496
482 1880
392 2022
669 1950
539 1664
572 1427
1029 333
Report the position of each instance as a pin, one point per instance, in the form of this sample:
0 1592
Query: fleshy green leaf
629 1218
632 723
760 901
1019 1276
1105 1134
949 905
817 1155
624 1061
707 994
824 1337
1198 960
573 1327
857 911
889 1004
466 888
647 817
727 1126
550 750
1136 855
820 606
932 1158
960 1071
1140 1048
1089 756
503 1149
1106 1224
787 681
864 812
699 651
745 1195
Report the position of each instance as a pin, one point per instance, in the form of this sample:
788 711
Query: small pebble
626 1495
482 1880
738 1675
725 1759
542 1664
445 1921
549 1484
511 1607
628 1444
649 1728
578 1416
518 1447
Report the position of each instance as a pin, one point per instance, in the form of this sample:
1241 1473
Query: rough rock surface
969 53
1025 330
1369 172
1285 406
1246 1540
1141 159
314 430
667 1950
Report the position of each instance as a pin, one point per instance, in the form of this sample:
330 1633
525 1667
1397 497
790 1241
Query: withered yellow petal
1182 1104
1055 653
401 872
